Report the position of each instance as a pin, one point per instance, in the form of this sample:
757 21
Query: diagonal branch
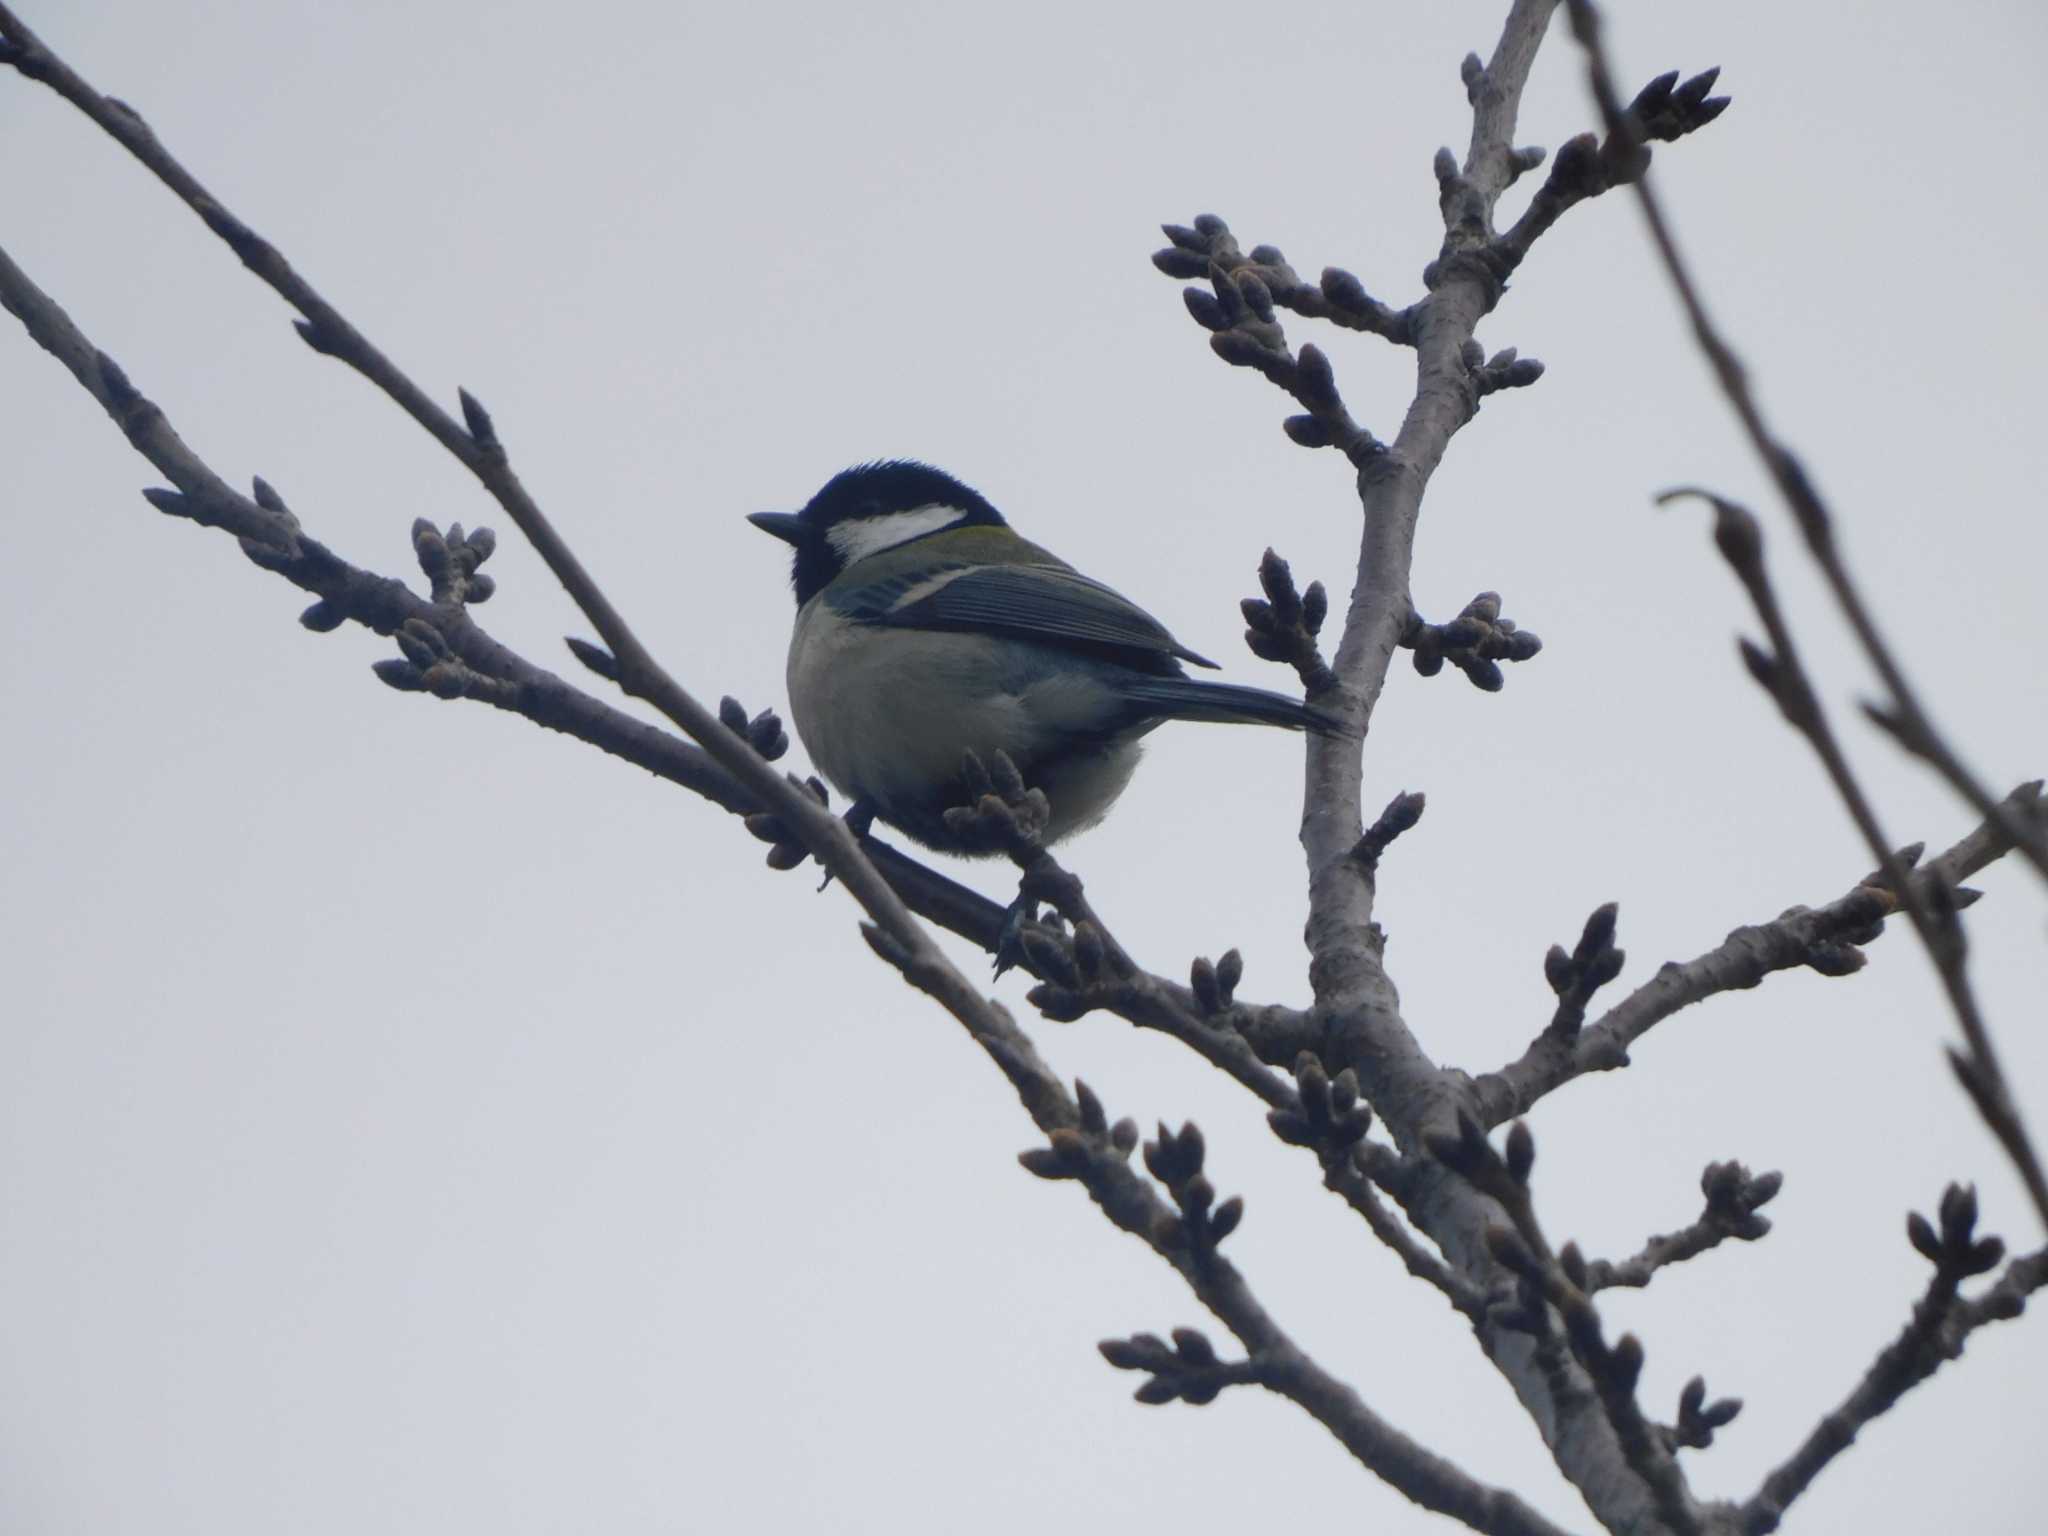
1941 1324
474 443
737 774
1587 166
1184 1233
1932 907
1799 938
385 605
1734 1196
1350 1180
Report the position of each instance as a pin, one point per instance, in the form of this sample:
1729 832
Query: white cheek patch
857 538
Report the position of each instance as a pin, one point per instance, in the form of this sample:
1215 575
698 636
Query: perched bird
927 629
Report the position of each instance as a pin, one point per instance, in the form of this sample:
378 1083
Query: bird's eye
868 509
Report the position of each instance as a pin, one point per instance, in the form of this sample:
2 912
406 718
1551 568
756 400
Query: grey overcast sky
411 1122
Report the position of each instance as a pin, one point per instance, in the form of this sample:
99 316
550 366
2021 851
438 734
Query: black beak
786 526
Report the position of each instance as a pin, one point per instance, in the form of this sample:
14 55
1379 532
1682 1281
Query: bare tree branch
494 675
1733 1198
1940 1326
1558 1282
1345 964
1186 1234
1357 1188
1587 166
1087 968
1826 939
1340 298
1329 1119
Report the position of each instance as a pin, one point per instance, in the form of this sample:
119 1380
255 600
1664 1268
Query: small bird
927 629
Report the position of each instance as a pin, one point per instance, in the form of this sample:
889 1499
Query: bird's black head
867 509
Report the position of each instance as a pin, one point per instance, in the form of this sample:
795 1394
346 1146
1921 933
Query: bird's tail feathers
1182 698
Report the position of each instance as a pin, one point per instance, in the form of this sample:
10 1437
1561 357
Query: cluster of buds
1175 1160
1476 642
1282 626
1590 965
1332 1118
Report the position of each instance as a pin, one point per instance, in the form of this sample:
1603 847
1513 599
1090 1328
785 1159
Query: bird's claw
1010 937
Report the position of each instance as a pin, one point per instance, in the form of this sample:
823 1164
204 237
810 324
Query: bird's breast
888 715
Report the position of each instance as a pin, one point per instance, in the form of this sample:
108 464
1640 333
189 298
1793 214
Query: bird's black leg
859 818
1002 815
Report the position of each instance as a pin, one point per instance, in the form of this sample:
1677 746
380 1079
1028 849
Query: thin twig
1734 1197
1741 960
1346 1177
386 605
1099 1164
1940 1326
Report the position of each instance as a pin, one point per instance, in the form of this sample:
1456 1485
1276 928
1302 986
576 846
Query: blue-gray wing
1046 603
